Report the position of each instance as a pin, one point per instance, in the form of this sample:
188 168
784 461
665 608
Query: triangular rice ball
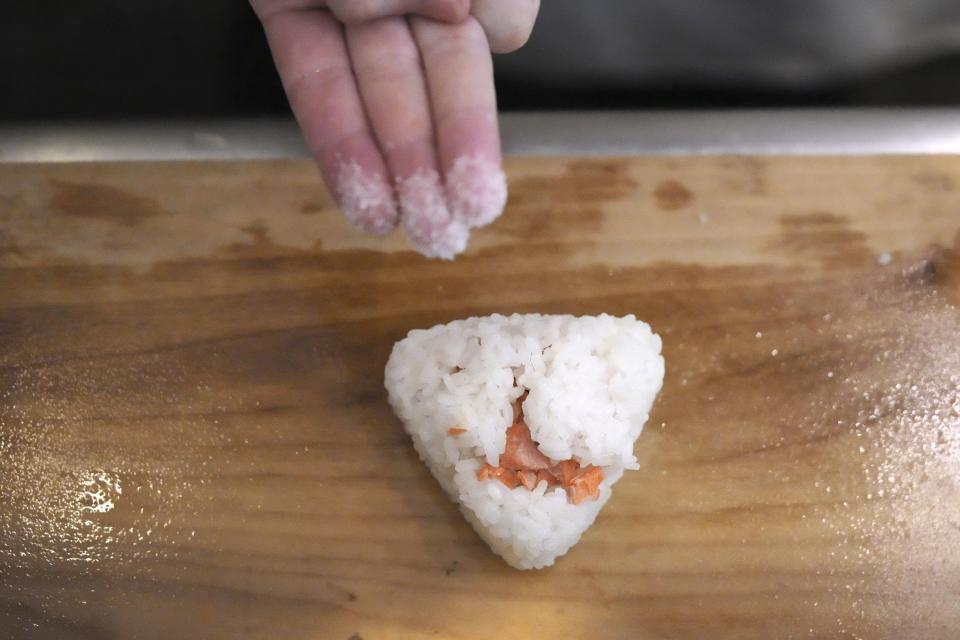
527 421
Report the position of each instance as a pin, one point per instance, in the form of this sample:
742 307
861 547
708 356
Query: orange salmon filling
522 464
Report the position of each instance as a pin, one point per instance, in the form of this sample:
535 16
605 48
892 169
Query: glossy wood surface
195 443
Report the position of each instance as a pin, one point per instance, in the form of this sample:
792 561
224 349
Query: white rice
591 382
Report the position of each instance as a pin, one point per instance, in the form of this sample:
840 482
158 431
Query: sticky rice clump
584 387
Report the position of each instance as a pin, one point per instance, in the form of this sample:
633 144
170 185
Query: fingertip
508 24
426 218
476 190
508 41
445 243
366 199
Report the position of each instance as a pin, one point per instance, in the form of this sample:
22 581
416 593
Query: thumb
507 23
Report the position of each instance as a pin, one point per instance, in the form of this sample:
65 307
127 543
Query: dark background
104 59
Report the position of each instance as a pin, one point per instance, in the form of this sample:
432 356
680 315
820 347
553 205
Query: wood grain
194 439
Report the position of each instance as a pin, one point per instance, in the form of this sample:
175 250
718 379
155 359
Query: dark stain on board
313 208
548 207
934 181
672 195
823 236
101 202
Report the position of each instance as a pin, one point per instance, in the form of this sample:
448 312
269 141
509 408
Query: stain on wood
672 195
312 208
935 181
825 236
101 202
195 440
577 197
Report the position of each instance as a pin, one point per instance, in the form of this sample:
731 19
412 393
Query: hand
396 101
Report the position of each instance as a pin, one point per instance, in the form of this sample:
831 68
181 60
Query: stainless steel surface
582 133
756 132
176 140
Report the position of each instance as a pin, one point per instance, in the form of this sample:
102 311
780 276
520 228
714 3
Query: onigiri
527 421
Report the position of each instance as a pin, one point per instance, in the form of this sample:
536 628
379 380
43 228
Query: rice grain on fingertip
426 218
476 191
366 199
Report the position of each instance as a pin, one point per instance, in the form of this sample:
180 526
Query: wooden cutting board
195 443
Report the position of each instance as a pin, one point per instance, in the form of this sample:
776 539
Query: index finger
311 56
